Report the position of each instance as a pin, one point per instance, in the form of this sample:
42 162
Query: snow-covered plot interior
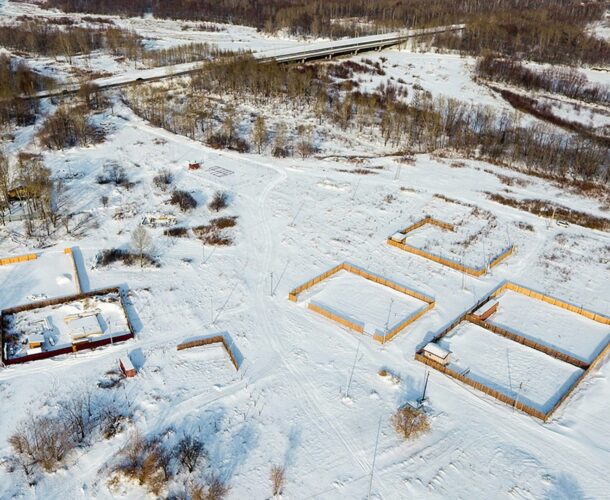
54 327
522 373
48 276
475 240
308 396
552 326
377 307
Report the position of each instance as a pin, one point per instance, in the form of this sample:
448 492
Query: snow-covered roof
127 364
400 237
436 350
486 307
82 327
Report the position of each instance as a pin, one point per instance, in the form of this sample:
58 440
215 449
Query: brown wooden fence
468 316
74 347
357 326
77 281
215 339
595 316
528 342
473 271
342 320
515 403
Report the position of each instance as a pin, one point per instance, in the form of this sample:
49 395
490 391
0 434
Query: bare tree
141 242
280 148
259 133
219 201
305 141
78 414
278 478
190 452
42 441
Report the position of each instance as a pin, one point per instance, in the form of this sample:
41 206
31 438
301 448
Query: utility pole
356 190
374 458
349 382
423 396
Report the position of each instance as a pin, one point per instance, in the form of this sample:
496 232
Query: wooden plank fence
566 358
473 271
19 258
80 346
356 325
468 316
215 339
595 316
515 403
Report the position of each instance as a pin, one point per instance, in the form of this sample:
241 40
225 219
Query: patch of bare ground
547 209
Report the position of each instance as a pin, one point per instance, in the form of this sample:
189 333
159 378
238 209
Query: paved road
303 53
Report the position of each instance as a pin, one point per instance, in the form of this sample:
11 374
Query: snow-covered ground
286 404
520 372
355 297
560 329
50 275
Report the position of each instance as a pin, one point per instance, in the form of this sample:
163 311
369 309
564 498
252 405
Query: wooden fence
356 325
468 316
350 323
595 316
473 271
528 342
77 281
20 258
215 339
515 403
78 346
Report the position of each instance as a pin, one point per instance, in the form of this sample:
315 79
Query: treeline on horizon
543 30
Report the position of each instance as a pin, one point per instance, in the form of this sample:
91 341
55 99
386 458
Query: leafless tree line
553 24
38 37
568 82
423 125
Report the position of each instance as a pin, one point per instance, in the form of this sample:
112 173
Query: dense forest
545 30
41 38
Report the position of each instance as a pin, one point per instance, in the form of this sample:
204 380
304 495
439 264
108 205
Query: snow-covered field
354 297
557 328
50 275
519 372
287 403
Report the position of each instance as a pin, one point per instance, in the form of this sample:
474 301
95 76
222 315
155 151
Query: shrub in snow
183 199
410 422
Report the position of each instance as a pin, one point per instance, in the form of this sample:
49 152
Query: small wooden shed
486 310
398 237
436 353
127 367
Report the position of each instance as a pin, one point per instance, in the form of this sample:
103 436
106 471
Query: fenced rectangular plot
523 374
473 248
560 329
375 306
565 366
62 325
364 302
